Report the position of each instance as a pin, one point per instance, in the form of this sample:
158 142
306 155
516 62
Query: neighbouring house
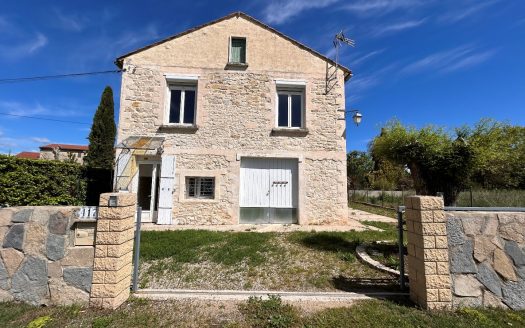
233 122
28 155
63 152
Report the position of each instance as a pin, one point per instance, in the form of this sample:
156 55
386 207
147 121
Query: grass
374 210
255 312
308 261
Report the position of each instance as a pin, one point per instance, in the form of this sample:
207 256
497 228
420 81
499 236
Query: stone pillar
113 251
428 264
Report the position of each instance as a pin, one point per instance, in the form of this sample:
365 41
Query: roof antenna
339 39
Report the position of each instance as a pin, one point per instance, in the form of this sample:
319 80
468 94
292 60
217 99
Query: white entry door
148 190
268 191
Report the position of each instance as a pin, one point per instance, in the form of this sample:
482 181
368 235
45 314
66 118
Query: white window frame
182 87
198 187
245 50
289 93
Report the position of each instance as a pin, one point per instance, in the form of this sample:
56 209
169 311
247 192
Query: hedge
28 182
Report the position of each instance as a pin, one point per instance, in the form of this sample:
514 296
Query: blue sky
424 62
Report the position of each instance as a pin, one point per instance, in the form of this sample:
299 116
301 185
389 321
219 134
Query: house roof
348 72
28 154
65 147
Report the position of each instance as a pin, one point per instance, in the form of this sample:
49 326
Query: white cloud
364 58
467 11
396 27
36 109
277 12
369 7
40 140
70 22
449 60
23 49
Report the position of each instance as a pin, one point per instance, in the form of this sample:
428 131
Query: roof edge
347 71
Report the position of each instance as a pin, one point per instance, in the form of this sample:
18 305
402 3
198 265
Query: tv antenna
339 40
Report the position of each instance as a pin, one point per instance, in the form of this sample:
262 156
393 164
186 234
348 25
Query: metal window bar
200 187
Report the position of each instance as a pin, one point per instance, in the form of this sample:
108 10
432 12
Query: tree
359 165
437 161
102 135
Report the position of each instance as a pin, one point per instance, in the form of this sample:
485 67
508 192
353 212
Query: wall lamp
357 117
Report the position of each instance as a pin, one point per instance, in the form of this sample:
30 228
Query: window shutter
167 181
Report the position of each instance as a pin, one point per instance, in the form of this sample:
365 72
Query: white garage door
268 192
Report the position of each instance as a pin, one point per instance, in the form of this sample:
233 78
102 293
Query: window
182 104
200 187
238 51
290 109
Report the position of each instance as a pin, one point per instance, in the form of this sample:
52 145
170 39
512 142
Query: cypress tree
102 135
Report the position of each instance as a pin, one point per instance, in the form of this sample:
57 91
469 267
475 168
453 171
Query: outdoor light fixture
357 117
113 201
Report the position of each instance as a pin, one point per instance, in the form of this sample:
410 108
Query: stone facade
235 118
487 259
39 263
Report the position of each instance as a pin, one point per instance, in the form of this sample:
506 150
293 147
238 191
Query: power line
44 118
50 77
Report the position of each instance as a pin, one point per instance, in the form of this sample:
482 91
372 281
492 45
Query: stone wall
487 259
39 263
236 112
464 258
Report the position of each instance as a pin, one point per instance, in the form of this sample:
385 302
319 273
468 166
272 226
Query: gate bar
137 251
400 211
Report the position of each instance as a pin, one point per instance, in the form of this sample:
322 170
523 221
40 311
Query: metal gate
268 190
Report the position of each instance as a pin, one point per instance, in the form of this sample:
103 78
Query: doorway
268 191
148 189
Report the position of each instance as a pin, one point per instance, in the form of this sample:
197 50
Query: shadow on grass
371 287
328 242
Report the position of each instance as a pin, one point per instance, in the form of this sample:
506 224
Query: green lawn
252 313
307 261
373 209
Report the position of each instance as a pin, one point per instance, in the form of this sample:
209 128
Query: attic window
237 50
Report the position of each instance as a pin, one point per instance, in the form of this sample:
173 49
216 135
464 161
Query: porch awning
142 144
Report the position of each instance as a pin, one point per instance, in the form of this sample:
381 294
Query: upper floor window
182 104
290 108
237 50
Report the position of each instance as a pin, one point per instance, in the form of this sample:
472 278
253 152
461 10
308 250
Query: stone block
103 225
79 277
439 216
442 268
466 285
40 215
29 283
35 240
513 295
3 231
513 231
432 295
490 227
441 242
503 265
55 247
12 259
5 296
428 203
436 255
120 250
437 281
489 278
6 214
455 233
22 216
116 276
122 225
80 256
472 224
430 268
445 295
434 229
492 301
64 294
467 302
111 263
54 270
98 276
116 213
123 198
438 306
58 223
461 260
4 277
14 237
429 242
515 252
109 290
483 248
114 238
101 251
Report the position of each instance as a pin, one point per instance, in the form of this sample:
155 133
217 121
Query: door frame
154 174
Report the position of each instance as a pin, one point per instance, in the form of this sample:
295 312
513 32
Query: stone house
63 152
233 122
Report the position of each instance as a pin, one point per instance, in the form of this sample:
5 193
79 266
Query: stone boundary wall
487 259
464 259
39 263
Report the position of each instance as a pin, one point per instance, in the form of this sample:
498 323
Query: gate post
113 250
428 265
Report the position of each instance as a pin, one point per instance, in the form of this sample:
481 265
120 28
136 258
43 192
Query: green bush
28 182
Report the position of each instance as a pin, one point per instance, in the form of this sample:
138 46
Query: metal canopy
150 145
